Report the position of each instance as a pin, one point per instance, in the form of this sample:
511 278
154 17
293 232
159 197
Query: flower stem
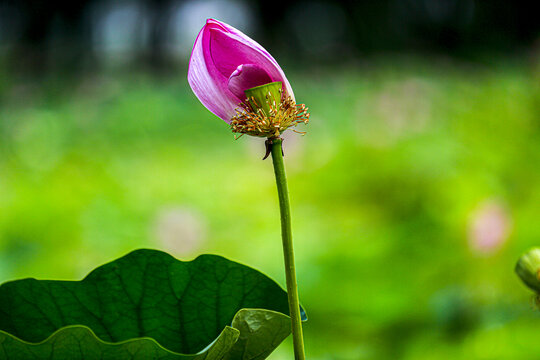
288 252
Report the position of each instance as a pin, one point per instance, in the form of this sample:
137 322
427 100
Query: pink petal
231 48
246 77
218 52
206 83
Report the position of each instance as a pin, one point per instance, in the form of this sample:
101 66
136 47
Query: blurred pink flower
180 230
225 62
489 228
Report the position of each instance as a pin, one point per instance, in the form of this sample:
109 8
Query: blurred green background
413 193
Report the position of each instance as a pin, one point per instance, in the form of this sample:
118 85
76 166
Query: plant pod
264 97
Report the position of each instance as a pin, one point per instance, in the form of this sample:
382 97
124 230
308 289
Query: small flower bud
528 269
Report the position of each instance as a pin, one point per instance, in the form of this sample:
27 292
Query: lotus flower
240 82
224 64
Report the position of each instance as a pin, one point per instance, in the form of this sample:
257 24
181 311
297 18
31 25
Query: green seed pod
267 112
264 97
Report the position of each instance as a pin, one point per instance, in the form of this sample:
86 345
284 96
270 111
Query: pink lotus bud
224 64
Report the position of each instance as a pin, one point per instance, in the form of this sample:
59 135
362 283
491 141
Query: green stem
288 252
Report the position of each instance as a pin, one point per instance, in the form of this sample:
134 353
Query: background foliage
397 164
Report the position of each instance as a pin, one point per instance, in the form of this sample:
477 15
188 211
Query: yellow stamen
281 117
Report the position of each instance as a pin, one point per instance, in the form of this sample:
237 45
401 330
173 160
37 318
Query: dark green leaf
80 343
146 305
